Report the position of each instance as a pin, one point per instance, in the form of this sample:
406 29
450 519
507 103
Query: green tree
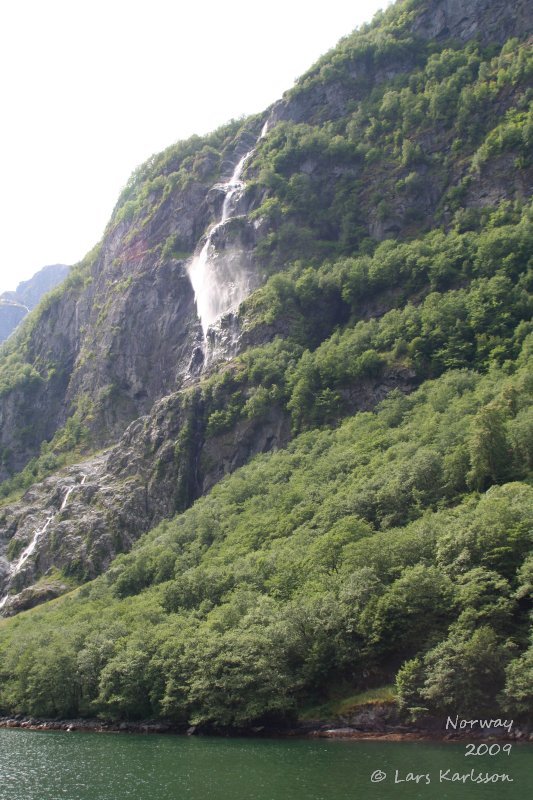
490 453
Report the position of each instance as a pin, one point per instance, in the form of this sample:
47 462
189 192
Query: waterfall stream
30 549
219 288
220 280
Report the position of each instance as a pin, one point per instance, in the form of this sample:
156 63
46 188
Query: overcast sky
89 90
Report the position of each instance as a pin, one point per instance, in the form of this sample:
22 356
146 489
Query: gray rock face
127 333
79 520
488 20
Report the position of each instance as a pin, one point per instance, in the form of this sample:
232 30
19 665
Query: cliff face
79 520
482 19
124 330
370 145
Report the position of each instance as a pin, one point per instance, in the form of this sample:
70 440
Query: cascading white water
217 289
26 553
234 188
30 549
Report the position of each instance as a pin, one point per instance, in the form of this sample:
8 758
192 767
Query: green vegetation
348 705
407 150
172 171
65 448
356 554
429 326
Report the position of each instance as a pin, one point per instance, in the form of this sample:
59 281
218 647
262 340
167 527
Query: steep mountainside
344 278
15 305
390 135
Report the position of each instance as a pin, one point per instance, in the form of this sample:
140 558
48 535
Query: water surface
87 766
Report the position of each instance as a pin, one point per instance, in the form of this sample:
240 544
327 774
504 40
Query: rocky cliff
123 331
374 143
479 19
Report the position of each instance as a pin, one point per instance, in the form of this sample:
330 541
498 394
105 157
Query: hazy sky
89 90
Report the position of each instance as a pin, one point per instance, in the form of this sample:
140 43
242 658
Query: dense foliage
383 545
445 301
397 143
333 563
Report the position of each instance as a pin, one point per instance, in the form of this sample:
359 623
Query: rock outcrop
485 20
125 331
79 520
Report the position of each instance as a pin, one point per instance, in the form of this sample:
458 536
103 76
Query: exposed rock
365 395
128 332
484 19
35 595
115 497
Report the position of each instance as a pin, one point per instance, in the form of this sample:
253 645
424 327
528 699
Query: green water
84 766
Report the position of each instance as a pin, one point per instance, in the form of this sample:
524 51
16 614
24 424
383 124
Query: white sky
89 90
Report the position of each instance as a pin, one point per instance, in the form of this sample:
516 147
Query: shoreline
317 730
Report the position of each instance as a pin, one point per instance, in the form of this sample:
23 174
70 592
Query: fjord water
84 766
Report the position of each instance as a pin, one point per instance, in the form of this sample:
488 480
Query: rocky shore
433 731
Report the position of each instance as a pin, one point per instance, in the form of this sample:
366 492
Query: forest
386 550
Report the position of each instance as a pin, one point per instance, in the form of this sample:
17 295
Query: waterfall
27 552
219 284
233 188
30 549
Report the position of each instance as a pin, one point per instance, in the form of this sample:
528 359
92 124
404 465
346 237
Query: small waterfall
220 287
27 552
30 549
233 189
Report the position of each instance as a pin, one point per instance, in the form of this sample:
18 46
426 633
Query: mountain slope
15 305
389 135
323 566
401 134
368 236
